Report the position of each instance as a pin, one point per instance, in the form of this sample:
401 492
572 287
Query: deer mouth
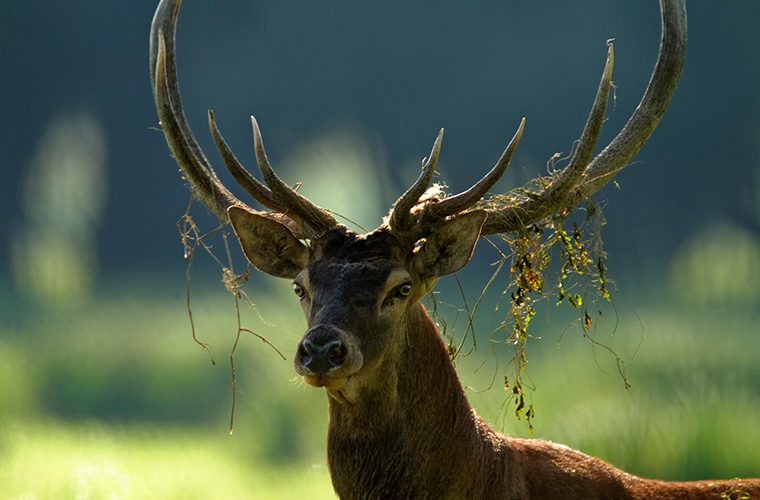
326 381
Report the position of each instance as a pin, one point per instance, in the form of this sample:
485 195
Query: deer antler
582 177
414 215
401 220
303 217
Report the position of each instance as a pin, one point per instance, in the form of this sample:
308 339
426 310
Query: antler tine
260 192
401 210
647 115
317 217
570 175
185 150
165 24
545 203
581 180
466 199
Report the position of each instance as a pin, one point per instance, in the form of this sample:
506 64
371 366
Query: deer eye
400 292
404 290
299 291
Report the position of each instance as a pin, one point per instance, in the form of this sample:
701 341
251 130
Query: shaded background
391 74
349 97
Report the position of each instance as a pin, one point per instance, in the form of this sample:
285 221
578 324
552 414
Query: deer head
356 289
398 416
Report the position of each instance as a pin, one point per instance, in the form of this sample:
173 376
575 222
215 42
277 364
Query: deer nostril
305 353
308 348
337 354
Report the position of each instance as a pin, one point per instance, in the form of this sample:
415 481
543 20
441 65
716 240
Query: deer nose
320 358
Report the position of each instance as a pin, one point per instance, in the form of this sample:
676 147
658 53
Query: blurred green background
104 393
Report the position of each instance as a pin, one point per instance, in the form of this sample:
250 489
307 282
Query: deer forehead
360 279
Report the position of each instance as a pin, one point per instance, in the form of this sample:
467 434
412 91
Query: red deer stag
400 424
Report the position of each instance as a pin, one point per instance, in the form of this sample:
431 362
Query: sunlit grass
53 460
115 400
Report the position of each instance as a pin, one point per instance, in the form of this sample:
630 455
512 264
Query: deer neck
416 432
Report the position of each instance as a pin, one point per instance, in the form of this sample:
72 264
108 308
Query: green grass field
115 400
91 461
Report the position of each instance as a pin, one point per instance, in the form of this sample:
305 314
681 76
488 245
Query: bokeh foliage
104 394
142 400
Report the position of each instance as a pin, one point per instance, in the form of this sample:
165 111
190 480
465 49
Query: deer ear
267 244
450 246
